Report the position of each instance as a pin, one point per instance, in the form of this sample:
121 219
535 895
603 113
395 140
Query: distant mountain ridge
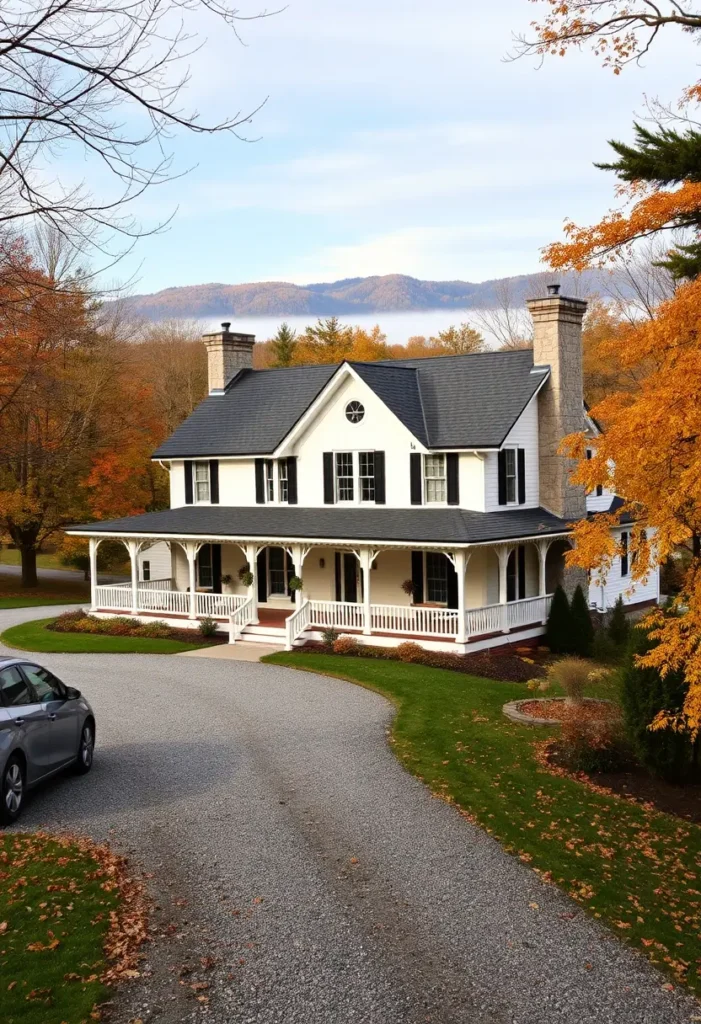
391 293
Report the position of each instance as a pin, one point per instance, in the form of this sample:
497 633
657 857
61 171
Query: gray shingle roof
414 526
469 401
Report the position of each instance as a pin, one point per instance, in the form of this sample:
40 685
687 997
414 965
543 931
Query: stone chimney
227 352
557 343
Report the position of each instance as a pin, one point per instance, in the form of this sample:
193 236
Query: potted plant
245 575
226 582
408 588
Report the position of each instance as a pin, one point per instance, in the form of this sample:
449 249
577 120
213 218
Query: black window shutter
328 479
188 483
624 554
417 575
337 572
380 478
453 480
521 571
502 477
416 488
452 579
262 573
522 476
214 481
260 481
292 480
216 568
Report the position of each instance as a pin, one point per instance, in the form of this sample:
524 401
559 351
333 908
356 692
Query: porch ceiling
376 525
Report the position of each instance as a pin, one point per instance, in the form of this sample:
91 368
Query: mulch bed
560 710
185 636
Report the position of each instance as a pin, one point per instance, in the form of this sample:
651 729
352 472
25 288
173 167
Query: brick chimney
557 343
227 352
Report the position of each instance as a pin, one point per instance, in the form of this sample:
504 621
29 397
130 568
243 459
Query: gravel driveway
326 884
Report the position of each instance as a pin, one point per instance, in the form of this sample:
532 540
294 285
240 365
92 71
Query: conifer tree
582 628
283 345
619 627
558 633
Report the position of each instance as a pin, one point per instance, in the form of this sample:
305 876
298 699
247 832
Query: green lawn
34 636
11 556
53 918
13 595
637 869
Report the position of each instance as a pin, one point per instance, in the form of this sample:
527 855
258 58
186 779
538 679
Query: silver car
44 726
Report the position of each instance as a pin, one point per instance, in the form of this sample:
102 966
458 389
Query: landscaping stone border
513 711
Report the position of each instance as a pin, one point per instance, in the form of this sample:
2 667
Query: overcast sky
395 139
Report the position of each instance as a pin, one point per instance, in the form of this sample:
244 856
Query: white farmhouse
420 498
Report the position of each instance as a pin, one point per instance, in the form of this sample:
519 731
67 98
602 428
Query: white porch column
542 547
133 549
298 554
252 559
366 560
191 550
93 545
461 560
503 553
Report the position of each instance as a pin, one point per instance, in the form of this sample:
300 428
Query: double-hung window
202 490
205 576
345 490
434 479
436 577
366 475
511 484
282 481
269 480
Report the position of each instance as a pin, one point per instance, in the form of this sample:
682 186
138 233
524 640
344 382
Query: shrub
89 624
558 633
67 621
412 653
618 625
156 630
591 745
670 755
207 626
582 628
572 674
118 625
346 645
329 636
604 649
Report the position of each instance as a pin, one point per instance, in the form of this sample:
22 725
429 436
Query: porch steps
262 634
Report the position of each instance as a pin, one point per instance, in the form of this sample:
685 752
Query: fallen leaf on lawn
534 906
3 927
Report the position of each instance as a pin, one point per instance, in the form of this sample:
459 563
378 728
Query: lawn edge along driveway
34 636
636 869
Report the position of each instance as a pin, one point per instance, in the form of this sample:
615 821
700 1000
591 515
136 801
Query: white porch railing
496 618
218 606
298 621
164 584
417 621
239 619
336 614
529 612
113 597
118 597
174 601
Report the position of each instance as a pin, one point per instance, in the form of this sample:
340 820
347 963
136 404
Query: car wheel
11 791
86 749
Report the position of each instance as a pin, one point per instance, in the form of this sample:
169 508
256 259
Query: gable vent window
344 476
354 412
366 474
201 482
434 479
283 481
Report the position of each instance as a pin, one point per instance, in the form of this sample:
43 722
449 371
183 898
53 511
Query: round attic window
354 412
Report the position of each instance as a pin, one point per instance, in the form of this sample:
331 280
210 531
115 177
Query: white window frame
205 480
432 600
146 570
511 478
434 478
337 478
369 477
269 481
283 482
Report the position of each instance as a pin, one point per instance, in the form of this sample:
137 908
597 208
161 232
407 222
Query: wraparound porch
505 589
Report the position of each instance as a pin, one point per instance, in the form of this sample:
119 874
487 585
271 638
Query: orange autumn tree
651 450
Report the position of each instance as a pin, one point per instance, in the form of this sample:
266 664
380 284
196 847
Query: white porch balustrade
418 621
118 597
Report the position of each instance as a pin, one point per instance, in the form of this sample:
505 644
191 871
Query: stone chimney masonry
557 343
227 352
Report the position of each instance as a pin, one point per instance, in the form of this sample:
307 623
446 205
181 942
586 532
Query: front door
275 570
346 577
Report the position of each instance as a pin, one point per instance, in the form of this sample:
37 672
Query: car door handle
19 721
51 716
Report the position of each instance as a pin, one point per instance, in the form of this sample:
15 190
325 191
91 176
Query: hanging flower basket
296 583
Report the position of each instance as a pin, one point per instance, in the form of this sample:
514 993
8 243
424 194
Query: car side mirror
72 693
